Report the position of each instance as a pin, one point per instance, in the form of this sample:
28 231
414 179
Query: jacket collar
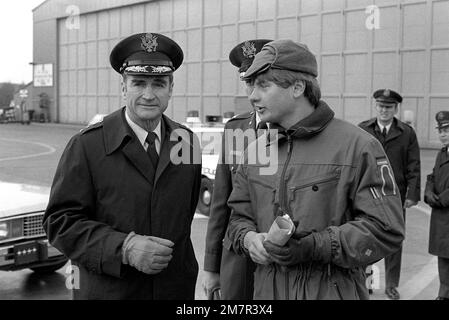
396 129
309 126
118 135
396 124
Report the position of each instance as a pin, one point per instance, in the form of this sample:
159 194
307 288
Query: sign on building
23 93
43 75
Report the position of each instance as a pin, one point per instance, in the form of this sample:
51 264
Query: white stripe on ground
413 287
50 150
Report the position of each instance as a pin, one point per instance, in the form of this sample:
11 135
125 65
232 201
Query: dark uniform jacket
329 177
103 189
402 149
438 183
216 236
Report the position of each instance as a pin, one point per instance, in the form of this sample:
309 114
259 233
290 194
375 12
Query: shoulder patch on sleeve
386 173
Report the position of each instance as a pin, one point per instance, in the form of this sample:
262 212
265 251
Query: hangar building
361 45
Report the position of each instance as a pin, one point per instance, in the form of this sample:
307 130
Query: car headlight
3 230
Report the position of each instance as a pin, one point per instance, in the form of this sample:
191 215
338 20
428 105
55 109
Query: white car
23 242
210 137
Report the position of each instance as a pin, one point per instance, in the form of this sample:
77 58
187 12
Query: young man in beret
333 180
437 196
401 146
223 268
120 208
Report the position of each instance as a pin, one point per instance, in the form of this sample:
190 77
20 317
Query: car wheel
49 268
205 199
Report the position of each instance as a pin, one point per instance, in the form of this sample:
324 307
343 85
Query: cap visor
131 73
444 125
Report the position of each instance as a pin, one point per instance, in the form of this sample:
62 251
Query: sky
16 38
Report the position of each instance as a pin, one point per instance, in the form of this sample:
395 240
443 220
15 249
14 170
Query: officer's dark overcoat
438 183
236 272
402 149
103 189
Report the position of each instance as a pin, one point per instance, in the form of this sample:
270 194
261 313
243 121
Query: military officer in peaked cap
401 146
437 196
223 268
120 208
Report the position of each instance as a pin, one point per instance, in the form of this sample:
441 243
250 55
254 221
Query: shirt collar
142 133
382 126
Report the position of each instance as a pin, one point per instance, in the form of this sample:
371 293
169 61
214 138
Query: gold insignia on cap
142 69
440 116
249 49
149 42
386 93
160 69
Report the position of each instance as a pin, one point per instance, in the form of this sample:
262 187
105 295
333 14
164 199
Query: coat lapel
168 127
136 154
118 135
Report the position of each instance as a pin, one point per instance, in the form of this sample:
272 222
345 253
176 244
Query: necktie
151 151
384 132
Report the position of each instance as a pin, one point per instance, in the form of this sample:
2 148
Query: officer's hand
148 254
211 282
431 199
409 203
293 252
254 243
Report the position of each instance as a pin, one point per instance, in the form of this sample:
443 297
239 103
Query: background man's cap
284 55
242 55
146 54
387 96
442 118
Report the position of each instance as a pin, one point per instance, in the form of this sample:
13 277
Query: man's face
146 96
273 103
443 134
386 111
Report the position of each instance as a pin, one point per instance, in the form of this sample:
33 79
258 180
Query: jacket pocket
315 195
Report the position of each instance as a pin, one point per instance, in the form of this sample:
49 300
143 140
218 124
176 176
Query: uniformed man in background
401 146
222 267
120 208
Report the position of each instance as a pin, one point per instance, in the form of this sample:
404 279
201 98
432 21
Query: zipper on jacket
335 177
337 288
284 204
333 283
282 196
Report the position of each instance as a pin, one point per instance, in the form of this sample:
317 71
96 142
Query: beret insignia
149 42
249 49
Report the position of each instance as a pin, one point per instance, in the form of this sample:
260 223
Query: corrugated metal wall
409 53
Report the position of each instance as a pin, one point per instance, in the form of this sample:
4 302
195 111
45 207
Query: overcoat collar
396 129
118 135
